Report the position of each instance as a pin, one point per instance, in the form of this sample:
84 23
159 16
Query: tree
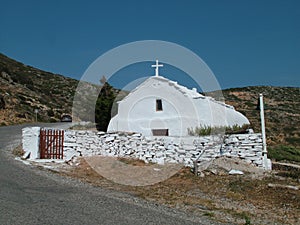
103 106
103 80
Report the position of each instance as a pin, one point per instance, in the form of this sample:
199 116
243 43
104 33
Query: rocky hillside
23 89
282 111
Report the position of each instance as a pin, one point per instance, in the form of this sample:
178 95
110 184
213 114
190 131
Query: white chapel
162 107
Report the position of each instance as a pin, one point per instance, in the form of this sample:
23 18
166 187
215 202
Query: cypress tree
103 106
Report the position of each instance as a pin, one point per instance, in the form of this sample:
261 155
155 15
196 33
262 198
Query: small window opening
159 105
160 132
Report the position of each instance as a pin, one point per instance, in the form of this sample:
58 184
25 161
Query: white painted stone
252 137
195 152
68 155
169 160
30 141
161 148
159 154
180 151
70 144
231 140
160 161
236 172
109 138
227 154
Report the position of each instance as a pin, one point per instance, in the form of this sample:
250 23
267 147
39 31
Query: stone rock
6 76
231 140
258 162
201 174
241 137
72 144
181 151
159 154
235 172
171 160
252 137
189 148
100 133
169 152
160 161
26 155
250 131
109 139
162 148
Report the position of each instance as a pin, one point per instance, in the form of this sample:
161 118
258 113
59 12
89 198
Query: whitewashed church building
160 106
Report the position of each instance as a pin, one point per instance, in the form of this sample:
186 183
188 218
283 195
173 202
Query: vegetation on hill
282 116
282 111
25 89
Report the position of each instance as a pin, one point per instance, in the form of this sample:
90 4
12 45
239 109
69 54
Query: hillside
24 89
282 111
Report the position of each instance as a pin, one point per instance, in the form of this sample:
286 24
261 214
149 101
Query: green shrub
209 130
293 141
50 112
236 129
247 220
53 120
284 153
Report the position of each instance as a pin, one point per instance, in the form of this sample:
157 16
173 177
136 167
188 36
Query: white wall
164 149
137 112
184 150
30 142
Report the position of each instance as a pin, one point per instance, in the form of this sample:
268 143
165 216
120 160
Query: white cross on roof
156 67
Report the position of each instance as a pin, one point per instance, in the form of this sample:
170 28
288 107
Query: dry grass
18 151
233 199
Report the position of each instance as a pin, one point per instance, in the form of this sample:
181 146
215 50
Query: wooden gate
51 144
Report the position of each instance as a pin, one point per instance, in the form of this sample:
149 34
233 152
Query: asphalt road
32 196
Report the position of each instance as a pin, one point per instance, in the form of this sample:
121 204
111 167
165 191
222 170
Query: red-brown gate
51 144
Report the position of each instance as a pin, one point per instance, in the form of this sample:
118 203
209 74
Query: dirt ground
256 197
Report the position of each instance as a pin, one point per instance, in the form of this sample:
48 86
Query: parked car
66 118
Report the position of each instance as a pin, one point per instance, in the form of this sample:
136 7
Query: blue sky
244 43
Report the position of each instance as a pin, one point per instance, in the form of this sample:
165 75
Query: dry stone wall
184 150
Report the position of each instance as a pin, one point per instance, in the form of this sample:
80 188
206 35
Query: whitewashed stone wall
30 142
185 150
164 149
